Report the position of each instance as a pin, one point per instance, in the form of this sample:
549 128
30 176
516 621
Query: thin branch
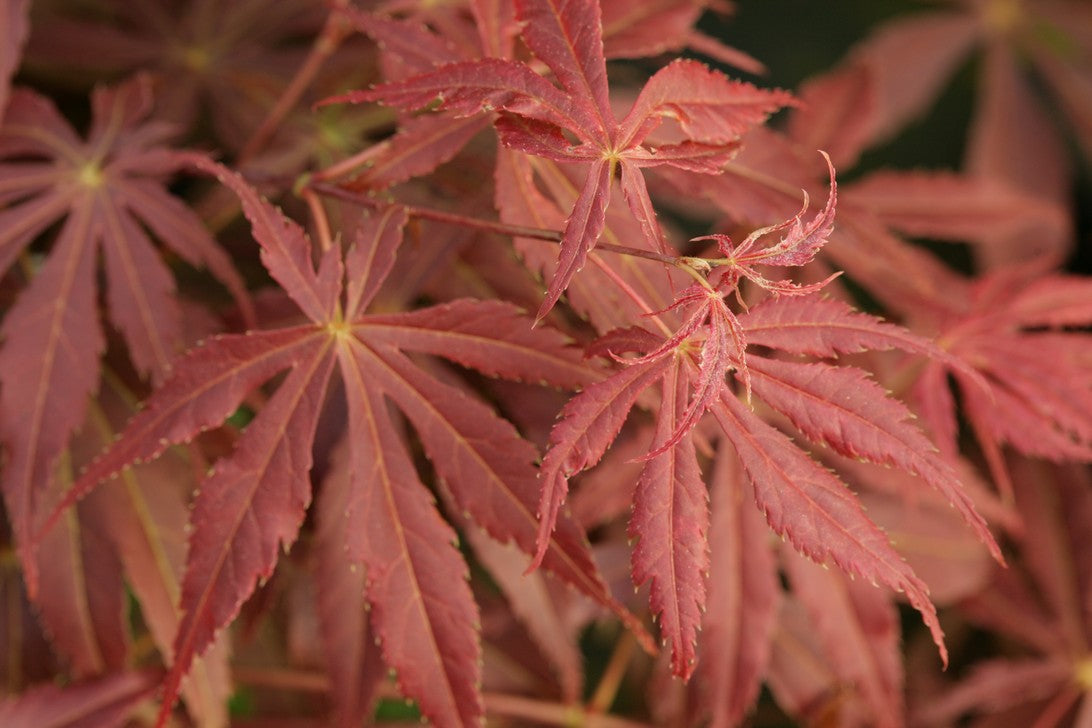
307 681
516 231
333 32
318 214
425 213
607 689
349 163
554 713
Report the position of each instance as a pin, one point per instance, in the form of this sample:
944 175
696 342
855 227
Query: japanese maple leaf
108 192
254 500
426 36
724 345
147 512
353 658
1040 606
852 628
1023 337
838 406
409 47
126 539
575 123
227 60
876 213
1053 37
1019 333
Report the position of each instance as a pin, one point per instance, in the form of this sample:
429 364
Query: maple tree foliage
1045 675
711 109
256 499
393 359
107 190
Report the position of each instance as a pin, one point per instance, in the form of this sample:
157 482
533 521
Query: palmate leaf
106 189
708 106
409 46
589 424
568 36
595 293
1023 339
642 30
802 500
1013 138
538 608
835 114
1041 605
147 512
825 327
80 595
217 63
419 146
424 615
634 30
711 110
947 206
254 500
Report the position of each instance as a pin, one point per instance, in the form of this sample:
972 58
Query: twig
333 32
545 712
516 231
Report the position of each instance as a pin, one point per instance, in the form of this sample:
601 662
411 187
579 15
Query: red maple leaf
254 500
109 191
228 62
1023 337
839 406
1043 674
132 528
1004 329
638 30
424 37
575 123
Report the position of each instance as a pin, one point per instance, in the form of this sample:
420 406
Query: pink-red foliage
277 431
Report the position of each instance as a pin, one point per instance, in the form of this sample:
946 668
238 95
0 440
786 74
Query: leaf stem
607 689
766 180
492 226
687 265
333 32
553 713
309 681
349 163
318 214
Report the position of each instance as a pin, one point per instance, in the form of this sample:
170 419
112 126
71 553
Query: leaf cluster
353 355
